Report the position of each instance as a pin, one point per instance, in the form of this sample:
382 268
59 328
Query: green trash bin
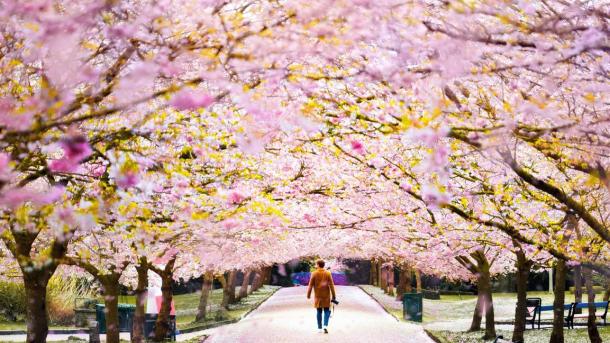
126 314
413 306
100 317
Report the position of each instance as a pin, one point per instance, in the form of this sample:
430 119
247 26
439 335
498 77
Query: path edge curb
229 321
259 303
379 303
433 336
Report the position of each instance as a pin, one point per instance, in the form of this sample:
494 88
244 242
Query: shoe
320 330
325 330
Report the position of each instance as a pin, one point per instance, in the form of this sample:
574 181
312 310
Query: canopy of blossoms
235 134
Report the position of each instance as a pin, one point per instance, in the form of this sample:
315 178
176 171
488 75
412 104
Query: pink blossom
127 179
434 197
230 224
406 186
15 197
235 197
76 149
357 147
63 166
188 100
5 169
309 218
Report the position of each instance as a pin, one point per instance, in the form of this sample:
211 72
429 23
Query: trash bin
100 317
412 306
126 314
149 326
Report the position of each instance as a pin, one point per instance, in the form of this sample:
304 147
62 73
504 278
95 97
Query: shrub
62 294
12 301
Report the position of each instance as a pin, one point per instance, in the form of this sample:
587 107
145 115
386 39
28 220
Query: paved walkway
289 317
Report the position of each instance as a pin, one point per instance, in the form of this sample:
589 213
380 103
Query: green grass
531 336
235 311
20 325
186 308
447 316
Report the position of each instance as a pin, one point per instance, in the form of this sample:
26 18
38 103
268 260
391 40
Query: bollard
94 332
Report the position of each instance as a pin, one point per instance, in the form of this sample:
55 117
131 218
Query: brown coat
321 282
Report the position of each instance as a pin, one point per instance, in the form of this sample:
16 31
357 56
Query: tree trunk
417 281
478 264
379 273
372 273
243 290
231 284
477 316
607 292
523 270
266 273
384 281
485 293
36 294
257 282
162 325
110 285
404 282
390 280
206 287
558 303
591 325
137 335
578 286
225 292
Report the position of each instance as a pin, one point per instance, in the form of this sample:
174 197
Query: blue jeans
326 316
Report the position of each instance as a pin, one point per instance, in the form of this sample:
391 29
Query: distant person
321 282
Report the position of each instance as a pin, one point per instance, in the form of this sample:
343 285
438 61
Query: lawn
450 316
186 308
531 336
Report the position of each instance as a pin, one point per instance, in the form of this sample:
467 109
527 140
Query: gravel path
289 317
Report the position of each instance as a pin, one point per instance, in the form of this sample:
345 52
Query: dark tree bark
231 285
594 336
373 273
36 276
404 282
477 316
35 283
577 272
524 265
266 273
390 280
383 283
418 281
110 288
478 264
558 302
206 287
379 273
162 325
110 285
243 290
137 335
225 292
257 283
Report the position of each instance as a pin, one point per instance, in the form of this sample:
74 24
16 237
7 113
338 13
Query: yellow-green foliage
12 301
61 296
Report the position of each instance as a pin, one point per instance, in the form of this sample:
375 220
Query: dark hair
320 263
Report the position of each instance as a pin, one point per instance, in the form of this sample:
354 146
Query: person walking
321 281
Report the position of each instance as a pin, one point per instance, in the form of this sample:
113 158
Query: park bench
574 306
535 308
